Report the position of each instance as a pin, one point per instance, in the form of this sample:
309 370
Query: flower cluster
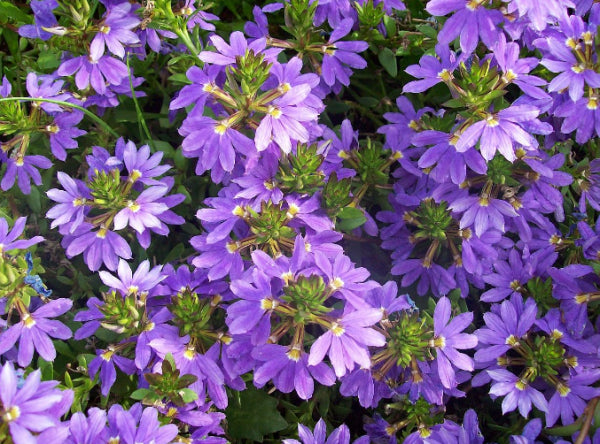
415 244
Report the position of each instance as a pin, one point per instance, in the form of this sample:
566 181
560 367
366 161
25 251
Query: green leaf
176 253
428 31
188 395
387 58
8 11
253 417
48 61
350 213
369 102
140 394
350 218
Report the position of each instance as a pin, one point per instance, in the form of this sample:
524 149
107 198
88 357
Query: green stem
138 110
184 35
88 113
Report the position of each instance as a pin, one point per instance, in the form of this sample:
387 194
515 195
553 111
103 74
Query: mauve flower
339 57
142 212
432 70
347 341
34 406
226 54
96 73
144 280
518 393
71 205
63 132
24 169
471 19
44 18
87 430
138 425
288 368
8 240
503 132
34 332
99 247
105 362
482 213
115 31
341 435
448 337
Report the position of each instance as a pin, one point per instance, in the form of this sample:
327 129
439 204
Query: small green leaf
188 395
255 416
387 58
428 31
140 394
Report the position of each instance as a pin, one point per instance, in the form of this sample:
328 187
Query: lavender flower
96 73
63 132
341 435
34 332
517 393
8 240
347 340
471 20
115 31
24 169
71 202
447 338
33 407
143 281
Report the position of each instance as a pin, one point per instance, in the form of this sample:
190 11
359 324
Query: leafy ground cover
308 222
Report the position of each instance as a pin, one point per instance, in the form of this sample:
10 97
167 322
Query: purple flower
115 30
87 430
559 57
341 435
96 73
339 57
33 407
447 338
44 18
137 426
471 19
283 120
347 340
510 278
226 54
34 332
63 132
142 212
71 202
197 16
8 240
502 131
98 247
214 143
518 393
504 328
483 213
46 87
288 368
570 397
104 362
142 166
516 70
444 161
432 70
24 169
143 281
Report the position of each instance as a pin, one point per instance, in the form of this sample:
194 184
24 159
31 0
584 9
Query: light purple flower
144 280
8 240
115 31
347 341
33 407
34 332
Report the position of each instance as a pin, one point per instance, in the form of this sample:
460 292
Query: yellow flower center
11 414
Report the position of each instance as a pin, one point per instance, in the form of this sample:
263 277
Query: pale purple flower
63 132
517 393
71 205
25 170
104 363
142 212
144 280
115 31
226 54
34 332
483 213
503 132
96 73
347 341
138 425
339 57
33 407
448 337
8 240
